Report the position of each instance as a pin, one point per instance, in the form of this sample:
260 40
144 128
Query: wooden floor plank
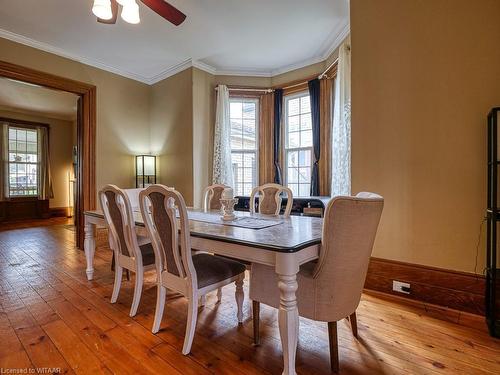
42 351
112 354
76 353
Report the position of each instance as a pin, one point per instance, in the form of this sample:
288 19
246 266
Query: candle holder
227 208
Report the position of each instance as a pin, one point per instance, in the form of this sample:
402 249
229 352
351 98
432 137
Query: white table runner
241 221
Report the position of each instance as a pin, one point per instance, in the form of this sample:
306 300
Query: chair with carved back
212 196
133 196
192 275
130 252
211 201
330 289
270 199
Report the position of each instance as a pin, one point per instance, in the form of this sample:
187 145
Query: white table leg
287 268
89 247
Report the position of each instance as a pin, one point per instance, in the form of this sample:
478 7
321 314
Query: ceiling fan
106 11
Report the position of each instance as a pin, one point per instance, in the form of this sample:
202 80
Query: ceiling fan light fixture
102 9
130 12
124 3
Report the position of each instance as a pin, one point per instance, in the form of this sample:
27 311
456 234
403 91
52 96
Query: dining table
283 243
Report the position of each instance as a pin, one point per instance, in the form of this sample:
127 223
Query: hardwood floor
52 317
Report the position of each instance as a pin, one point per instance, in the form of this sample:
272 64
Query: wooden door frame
86 187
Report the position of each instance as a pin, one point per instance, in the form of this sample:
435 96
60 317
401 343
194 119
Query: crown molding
328 47
299 65
334 41
169 72
60 52
205 67
242 72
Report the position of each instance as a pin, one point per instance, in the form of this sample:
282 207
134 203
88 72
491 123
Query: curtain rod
322 75
249 89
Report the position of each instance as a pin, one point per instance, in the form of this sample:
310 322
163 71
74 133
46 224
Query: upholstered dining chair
130 252
270 199
330 289
133 196
212 195
178 269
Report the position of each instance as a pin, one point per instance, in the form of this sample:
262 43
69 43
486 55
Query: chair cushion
148 254
211 269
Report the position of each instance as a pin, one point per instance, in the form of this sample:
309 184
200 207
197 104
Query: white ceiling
243 37
24 97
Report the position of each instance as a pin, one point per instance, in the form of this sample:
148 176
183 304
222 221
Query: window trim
284 149
256 151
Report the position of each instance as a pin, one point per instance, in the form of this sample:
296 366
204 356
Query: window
244 151
23 162
298 144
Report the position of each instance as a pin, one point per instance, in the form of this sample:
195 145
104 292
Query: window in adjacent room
23 162
244 117
298 143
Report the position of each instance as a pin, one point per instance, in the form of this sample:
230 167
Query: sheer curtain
222 168
44 178
4 161
341 130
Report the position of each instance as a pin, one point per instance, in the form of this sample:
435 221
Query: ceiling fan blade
114 10
167 11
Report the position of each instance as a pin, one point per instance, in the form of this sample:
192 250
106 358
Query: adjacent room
40 128
249 187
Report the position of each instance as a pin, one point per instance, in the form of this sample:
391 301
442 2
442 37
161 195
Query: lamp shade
145 170
102 9
125 2
130 12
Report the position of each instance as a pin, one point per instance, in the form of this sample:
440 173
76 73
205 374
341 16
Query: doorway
85 189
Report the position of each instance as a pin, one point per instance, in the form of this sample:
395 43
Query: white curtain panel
222 168
44 178
341 131
4 161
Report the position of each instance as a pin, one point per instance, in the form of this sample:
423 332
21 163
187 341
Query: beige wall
122 110
60 151
171 123
203 132
424 76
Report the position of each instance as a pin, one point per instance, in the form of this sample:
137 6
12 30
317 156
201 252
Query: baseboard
59 211
452 289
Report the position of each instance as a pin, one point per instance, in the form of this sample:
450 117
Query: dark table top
290 235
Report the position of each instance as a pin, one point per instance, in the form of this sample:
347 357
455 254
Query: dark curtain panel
314 93
278 112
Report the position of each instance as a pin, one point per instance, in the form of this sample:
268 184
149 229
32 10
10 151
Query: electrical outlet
399 286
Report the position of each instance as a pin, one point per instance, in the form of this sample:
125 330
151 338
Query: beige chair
212 195
133 196
129 251
270 199
178 269
330 289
